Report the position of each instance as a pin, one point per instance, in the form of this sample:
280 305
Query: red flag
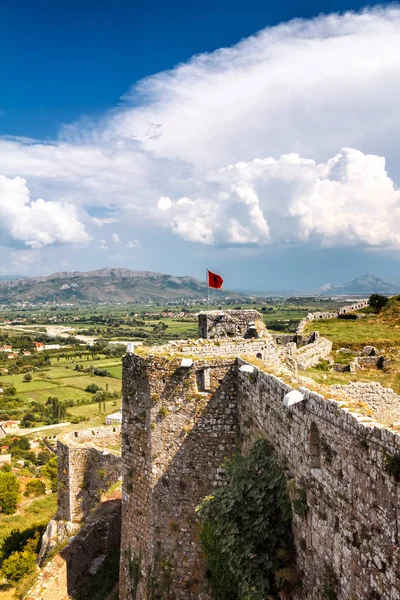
214 280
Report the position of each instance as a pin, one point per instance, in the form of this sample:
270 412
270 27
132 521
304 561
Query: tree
57 408
18 565
43 457
92 388
27 377
35 487
377 302
9 493
22 539
28 420
50 471
99 396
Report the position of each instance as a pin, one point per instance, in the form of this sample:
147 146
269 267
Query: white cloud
305 86
115 238
103 245
104 221
164 203
182 151
35 222
133 244
348 200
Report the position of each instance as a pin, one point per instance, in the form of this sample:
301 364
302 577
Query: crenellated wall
337 459
179 424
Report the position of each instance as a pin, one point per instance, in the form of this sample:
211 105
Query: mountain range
105 285
123 285
361 286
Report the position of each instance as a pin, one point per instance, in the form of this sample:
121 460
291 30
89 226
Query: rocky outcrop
64 577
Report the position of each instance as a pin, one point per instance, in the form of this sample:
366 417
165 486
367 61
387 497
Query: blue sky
272 158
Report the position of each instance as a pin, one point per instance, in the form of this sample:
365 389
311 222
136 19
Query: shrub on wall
246 530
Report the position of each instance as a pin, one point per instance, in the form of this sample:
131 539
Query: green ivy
392 465
246 530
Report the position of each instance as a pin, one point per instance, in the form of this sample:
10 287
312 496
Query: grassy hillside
380 330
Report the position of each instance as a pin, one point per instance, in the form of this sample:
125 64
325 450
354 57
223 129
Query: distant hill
361 286
105 285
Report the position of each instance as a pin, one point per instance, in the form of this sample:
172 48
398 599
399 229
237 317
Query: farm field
63 381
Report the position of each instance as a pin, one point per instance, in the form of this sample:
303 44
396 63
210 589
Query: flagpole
208 291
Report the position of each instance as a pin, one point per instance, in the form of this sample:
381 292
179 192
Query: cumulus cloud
35 222
164 203
115 238
182 150
309 87
348 200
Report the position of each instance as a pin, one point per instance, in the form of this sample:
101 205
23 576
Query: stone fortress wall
273 350
337 458
384 401
216 324
330 315
304 354
180 423
87 466
310 355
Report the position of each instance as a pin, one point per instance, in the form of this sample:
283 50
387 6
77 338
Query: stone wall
330 315
216 324
86 468
310 355
179 424
283 339
264 349
313 349
384 401
347 533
